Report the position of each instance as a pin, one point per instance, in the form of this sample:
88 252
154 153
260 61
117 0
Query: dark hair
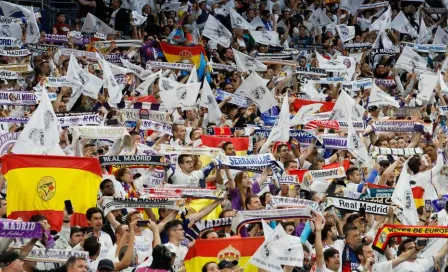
171 224
224 145
265 12
92 245
351 218
89 145
129 215
327 228
421 210
221 214
414 164
263 198
120 173
351 171
181 158
103 183
205 233
91 211
72 260
161 257
204 268
358 249
288 162
330 252
314 166
279 147
248 200
59 14
401 245
37 218
347 228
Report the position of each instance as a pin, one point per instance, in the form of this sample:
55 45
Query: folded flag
176 53
46 182
216 250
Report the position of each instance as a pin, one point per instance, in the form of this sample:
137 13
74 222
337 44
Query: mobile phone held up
68 207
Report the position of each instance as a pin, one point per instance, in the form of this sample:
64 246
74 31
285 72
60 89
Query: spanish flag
298 103
417 193
216 250
176 53
241 144
40 185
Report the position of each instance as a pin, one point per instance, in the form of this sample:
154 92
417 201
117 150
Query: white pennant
93 24
309 89
238 21
441 36
216 31
145 85
245 63
32 28
41 134
423 35
351 5
193 78
225 10
266 37
443 86
380 98
183 96
304 111
384 21
319 18
264 257
402 25
280 132
208 101
137 19
346 32
356 146
426 84
171 6
91 85
253 87
411 61
113 89
256 22
382 41
346 108
403 198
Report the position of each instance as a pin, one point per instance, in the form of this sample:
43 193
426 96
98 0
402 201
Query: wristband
66 221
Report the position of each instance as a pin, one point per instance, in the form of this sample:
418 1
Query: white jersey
143 245
419 265
106 244
181 252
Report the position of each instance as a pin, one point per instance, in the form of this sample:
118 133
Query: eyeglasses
189 162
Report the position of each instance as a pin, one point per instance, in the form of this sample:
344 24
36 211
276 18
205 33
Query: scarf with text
54 255
184 193
377 206
206 151
19 229
282 202
201 225
132 161
117 203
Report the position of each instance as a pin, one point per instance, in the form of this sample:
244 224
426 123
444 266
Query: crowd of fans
335 239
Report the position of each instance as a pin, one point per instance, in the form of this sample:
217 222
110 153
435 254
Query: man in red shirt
60 27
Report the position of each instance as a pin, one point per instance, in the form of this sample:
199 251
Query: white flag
264 257
380 98
351 5
92 24
253 87
256 22
356 146
245 63
384 21
314 95
350 63
170 6
443 86
441 36
402 25
41 134
330 65
225 10
145 85
113 89
193 78
238 21
91 85
382 41
266 37
343 106
32 28
426 84
137 19
299 118
279 132
184 96
411 61
166 84
216 31
423 35
403 198
319 18
136 69
346 32
208 101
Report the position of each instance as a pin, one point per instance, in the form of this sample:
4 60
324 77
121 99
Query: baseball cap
226 264
106 265
372 108
8 257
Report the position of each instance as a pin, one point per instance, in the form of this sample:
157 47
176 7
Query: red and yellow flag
40 185
216 250
241 144
298 103
176 53
418 193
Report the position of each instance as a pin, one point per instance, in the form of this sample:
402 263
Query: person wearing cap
11 261
227 266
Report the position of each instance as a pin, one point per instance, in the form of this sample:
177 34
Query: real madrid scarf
109 133
19 229
117 203
10 42
374 205
152 125
282 202
246 217
254 163
288 179
374 5
184 193
388 231
357 45
311 71
201 225
15 53
324 174
21 68
54 255
174 150
42 47
219 66
88 119
396 151
168 65
132 161
4 74
17 98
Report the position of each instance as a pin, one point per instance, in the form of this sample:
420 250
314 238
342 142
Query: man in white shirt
418 264
176 234
95 220
188 176
330 260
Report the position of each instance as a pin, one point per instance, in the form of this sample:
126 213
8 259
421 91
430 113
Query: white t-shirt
323 269
419 265
383 267
191 180
143 245
106 244
181 252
